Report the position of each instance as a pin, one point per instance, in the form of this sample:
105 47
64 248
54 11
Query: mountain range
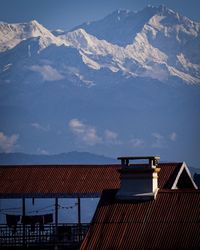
73 158
64 158
128 83
157 43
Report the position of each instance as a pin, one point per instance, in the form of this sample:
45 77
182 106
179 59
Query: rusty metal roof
68 180
172 221
61 181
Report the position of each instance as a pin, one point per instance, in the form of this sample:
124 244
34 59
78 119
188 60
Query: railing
48 235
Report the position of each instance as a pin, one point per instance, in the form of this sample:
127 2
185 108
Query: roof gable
184 179
171 221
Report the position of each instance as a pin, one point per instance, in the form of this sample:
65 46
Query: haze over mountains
126 84
64 158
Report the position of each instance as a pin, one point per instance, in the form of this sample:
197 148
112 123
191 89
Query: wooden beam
56 211
79 217
24 226
79 210
56 220
50 195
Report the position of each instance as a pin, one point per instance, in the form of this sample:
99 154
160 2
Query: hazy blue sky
66 14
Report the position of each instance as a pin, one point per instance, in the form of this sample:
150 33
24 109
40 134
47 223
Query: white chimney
138 181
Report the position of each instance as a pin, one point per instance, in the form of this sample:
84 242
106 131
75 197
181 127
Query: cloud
77 126
137 142
173 136
111 137
8 143
42 151
40 127
158 72
84 132
48 73
159 140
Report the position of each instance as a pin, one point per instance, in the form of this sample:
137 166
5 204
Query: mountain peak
119 15
164 9
161 8
121 12
34 22
36 29
13 34
121 26
79 34
79 38
155 39
157 10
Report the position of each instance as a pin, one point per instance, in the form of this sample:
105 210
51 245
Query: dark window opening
184 181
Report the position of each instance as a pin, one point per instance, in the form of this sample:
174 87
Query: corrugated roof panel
172 221
68 179
168 174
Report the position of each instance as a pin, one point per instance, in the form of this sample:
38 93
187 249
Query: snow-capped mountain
126 84
156 43
163 42
13 34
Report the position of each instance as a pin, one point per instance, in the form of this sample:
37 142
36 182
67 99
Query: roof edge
59 165
183 167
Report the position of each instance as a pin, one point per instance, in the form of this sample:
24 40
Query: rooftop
70 180
172 221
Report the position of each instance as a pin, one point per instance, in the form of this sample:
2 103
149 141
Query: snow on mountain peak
79 38
13 34
161 9
121 13
90 44
146 53
34 23
158 36
155 42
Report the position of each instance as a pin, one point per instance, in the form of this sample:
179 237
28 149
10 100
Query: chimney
138 181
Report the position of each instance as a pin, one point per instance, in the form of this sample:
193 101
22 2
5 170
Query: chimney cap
139 158
153 160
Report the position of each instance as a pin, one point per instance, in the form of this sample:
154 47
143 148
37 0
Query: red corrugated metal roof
68 180
172 221
63 180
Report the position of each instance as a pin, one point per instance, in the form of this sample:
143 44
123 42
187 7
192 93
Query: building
56 182
145 205
157 206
